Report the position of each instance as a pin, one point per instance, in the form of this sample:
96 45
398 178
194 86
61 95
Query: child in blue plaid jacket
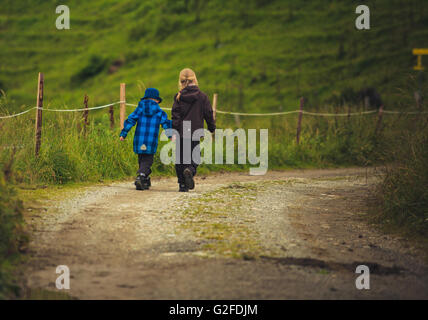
148 116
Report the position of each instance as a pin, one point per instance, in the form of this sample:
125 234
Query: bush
57 166
403 192
12 238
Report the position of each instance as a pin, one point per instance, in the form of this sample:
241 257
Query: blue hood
149 107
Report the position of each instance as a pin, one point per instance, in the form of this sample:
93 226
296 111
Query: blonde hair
187 77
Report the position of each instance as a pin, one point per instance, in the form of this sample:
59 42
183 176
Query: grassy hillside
258 55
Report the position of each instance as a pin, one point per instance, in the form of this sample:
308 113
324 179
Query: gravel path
290 234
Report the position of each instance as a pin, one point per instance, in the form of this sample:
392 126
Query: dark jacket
193 106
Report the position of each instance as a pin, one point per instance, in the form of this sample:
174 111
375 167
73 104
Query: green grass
68 155
206 218
43 294
13 239
403 194
275 50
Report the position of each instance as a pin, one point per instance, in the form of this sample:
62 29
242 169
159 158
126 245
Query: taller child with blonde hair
190 105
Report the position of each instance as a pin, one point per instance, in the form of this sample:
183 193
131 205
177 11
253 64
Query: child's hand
122 138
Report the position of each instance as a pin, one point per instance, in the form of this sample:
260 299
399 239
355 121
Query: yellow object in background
419 53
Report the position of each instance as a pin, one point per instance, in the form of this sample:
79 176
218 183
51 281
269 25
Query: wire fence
310 113
122 113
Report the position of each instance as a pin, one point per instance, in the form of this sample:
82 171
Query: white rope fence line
17 114
257 114
237 113
83 109
317 113
60 110
339 114
305 112
409 112
225 112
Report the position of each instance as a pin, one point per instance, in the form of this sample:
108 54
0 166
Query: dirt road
292 234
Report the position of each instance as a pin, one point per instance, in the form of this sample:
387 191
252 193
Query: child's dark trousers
145 162
194 161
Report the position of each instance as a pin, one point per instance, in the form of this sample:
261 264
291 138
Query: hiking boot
183 188
188 179
142 182
146 183
138 183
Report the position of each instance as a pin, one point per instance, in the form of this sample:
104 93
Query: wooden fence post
85 114
215 105
111 113
237 120
240 105
379 119
299 122
38 135
122 105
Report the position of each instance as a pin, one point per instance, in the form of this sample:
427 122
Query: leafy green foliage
12 238
404 192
